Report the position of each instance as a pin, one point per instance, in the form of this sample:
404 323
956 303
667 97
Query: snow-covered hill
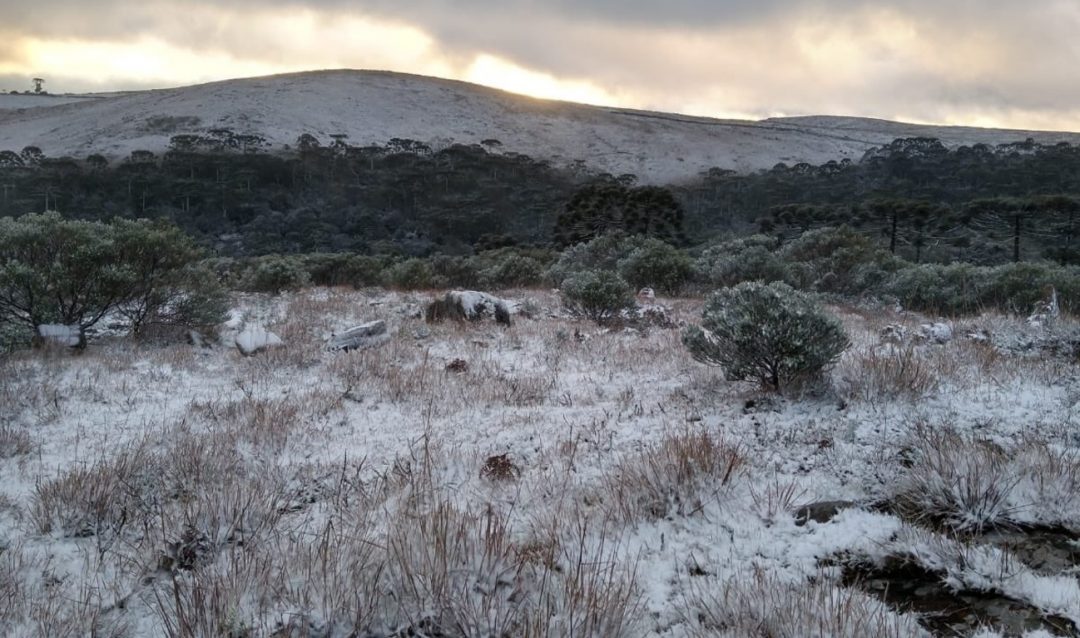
373 107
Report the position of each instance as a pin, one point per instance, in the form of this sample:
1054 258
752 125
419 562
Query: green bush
513 271
411 274
75 273
769 333
274 274
344 269
747 259
837 260
655 264
596 295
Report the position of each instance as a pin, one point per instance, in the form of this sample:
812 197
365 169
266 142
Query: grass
557 484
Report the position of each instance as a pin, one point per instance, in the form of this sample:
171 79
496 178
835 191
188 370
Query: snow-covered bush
769 333
596 295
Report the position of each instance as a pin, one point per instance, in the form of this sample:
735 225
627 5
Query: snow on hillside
373 107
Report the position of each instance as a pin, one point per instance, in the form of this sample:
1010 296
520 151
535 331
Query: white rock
936 332
59 334
255 338
360 337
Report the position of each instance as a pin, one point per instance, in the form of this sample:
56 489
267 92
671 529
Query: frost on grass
175 491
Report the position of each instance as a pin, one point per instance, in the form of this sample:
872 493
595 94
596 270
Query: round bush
768 333
596 295
275 273
657 265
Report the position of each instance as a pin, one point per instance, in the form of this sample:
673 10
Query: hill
375 106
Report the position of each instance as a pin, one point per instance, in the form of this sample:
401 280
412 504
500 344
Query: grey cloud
629 46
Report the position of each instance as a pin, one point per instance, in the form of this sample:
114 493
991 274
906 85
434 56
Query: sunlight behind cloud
501 74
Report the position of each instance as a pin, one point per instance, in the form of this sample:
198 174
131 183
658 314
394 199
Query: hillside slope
373 107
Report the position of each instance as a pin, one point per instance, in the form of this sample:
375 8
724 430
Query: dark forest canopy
918 198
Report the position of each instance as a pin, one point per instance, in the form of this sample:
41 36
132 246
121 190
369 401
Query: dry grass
760 605
675 477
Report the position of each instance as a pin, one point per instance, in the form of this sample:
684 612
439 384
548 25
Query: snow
371 107
572 415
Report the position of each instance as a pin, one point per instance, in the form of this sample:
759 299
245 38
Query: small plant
770 333
596 295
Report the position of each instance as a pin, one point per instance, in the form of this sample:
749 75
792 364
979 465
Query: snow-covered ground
174 490
374 107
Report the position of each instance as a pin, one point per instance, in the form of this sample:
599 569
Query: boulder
360 337
940 333
821 512
253 339
60 335
462 305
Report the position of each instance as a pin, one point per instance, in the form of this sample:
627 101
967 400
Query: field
553 478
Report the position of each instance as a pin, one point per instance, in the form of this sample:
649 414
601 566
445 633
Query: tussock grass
758 604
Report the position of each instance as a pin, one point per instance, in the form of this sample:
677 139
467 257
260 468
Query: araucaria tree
610 206
769 333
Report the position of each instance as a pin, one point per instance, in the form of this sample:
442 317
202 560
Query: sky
1000 63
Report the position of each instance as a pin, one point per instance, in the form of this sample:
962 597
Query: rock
60 335
820 512
1045 312
940 333
362 337
421 333
461 305
253 339
646 295
893 333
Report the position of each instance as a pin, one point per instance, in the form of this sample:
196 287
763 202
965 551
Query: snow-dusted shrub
836 260
943 289
75 273
746 259
769 333
274 274
596 295
656 264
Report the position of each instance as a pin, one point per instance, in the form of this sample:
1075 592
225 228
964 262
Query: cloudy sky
980 62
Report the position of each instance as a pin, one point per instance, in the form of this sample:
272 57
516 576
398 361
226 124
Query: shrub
837 260
54 270
274 274
411 274
733 262
602 253
656 264
512 271
343 269
596 295
768 333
